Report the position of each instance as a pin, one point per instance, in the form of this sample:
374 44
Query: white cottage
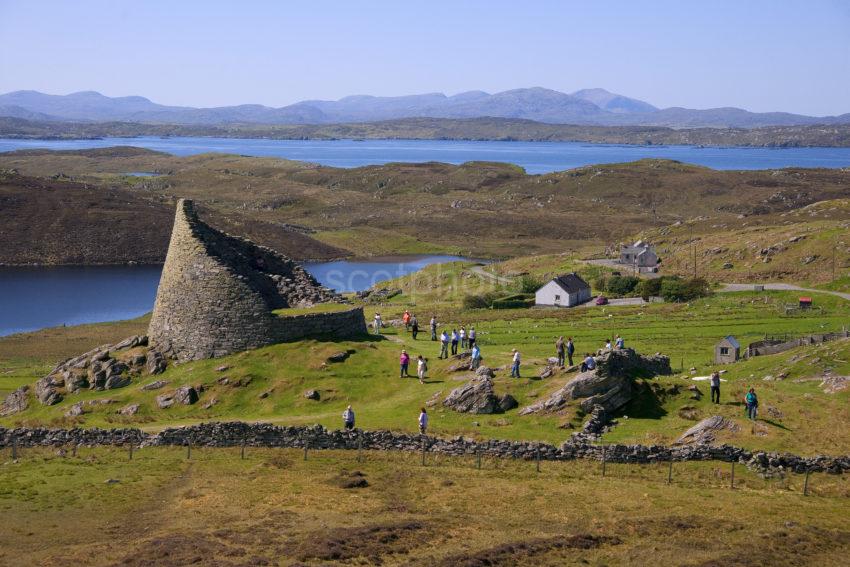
566 290
639 254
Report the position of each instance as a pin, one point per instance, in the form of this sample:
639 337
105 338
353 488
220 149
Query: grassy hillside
478 209
274 508
269 384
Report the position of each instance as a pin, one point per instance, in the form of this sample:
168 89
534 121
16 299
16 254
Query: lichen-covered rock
128 410
46 391
609 385
485 371
156 385
476 396
156 363
75 410
705 431
116 381
16 402
186 395
164 401
75 380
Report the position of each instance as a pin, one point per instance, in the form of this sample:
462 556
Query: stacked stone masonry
234 434
217 293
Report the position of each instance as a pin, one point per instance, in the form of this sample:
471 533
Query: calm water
535 157
34 298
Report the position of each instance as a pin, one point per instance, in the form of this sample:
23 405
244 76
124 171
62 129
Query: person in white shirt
463 338
589 363
348 418
620 342
377 324
607 344
515 364
444 345
472 337
423 422
421 369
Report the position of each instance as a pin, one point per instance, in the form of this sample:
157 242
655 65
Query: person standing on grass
421 369
377 324
423 421
472 337
414 326
619 342
515 364
463 338
404 360
444 344
433 328
589 363
752 402
455 339
715 387
561 351
406 320
571 348
348 418
476 357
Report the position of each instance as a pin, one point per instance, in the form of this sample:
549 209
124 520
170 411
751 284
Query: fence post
14 449
131 452
670 471
537 457
732 481
243 451
188 449
806 484
74 449
478 453
306 446
423 451
359 448
603 461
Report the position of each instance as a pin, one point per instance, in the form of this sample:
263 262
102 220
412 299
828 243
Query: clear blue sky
759 55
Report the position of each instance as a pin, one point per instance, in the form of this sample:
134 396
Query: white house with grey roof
566 290
639 255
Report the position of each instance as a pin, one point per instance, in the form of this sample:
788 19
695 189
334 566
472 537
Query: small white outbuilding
566 290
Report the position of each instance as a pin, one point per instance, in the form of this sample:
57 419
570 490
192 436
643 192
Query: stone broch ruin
218 291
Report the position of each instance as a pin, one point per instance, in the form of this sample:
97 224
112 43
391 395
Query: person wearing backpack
561 351
752 402
421 369
414 326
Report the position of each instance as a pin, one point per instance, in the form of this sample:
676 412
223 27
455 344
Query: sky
792 56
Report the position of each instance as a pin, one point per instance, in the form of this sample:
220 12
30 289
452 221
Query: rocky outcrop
476 396
217 293
16 402
186 395
610 385
705 431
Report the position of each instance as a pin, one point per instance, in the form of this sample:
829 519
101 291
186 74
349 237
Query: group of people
348 419
421 366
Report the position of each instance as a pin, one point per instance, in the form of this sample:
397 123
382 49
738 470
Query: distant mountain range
585 107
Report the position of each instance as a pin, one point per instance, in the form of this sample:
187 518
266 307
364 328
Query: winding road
781 287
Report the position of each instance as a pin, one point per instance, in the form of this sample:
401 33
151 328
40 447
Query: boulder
476 396
461 366
485 371
186 395
508 402
138 361
75 410
156 385
547 372
131 409
46 392
15 402
705 431
156 362
75 380
312 395
340 356
116 381
609 385
130 342
165 400
98 379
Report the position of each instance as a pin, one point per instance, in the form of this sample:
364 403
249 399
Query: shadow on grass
774 424
646 403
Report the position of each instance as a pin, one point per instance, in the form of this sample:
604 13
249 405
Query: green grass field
275 508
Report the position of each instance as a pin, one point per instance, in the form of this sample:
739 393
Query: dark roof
732 341
571 283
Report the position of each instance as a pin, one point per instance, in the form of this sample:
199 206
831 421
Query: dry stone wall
217 293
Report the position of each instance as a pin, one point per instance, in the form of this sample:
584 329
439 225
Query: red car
601 300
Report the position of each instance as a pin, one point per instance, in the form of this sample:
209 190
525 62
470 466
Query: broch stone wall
217 293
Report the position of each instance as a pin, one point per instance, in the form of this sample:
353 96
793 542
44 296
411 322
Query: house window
724 350
557 298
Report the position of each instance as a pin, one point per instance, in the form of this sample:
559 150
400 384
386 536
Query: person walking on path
472 337
561 351
589 363
752 402
414 326
421 369
444 344
377 324
404 361
348 418
455 339
476 357
715 387
406 320
571 348
433 328
515 364
463 338
619 342
423 421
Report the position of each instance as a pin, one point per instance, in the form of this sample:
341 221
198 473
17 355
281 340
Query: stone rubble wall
339 324
234 434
